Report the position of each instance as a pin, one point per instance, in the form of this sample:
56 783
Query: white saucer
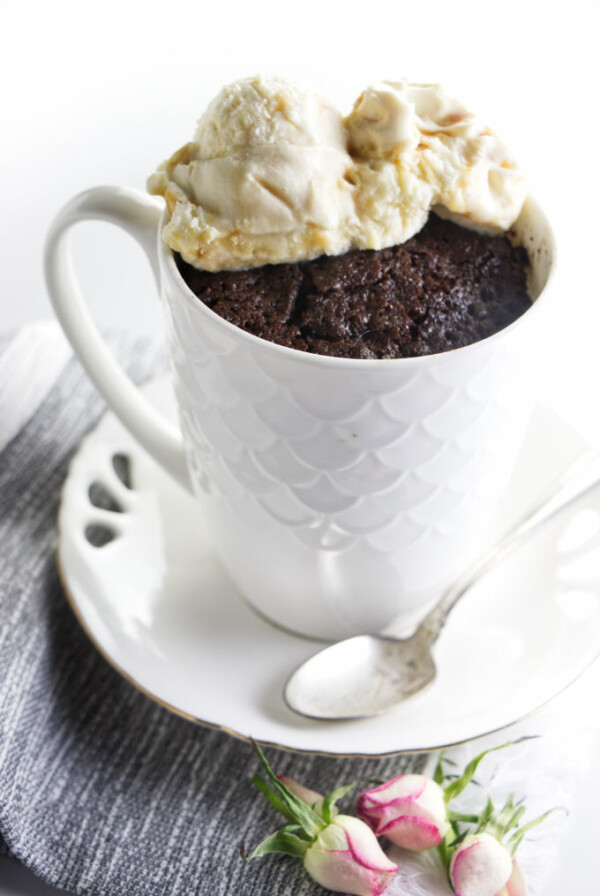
161 609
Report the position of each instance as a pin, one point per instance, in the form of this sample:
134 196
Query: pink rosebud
481 866
515 886
347 858
308 796
409 810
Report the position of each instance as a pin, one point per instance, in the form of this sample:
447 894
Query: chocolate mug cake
341 493
444 288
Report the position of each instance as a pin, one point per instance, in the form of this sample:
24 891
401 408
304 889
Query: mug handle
138 215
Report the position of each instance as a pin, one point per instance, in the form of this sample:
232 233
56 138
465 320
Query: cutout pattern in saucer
101 497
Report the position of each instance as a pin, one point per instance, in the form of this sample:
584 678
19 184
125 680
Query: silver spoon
368 674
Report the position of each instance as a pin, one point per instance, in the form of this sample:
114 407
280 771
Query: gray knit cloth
102 791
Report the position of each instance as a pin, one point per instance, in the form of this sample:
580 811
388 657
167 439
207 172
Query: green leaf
452 838
462 816
273 797
298 810
452 842
515 818
500 823
328 809
485 816
514 842
457 786
438 774
444 854
284 841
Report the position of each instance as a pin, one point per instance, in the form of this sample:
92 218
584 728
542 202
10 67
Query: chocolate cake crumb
444 288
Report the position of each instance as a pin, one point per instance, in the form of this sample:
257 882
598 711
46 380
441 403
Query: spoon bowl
360 677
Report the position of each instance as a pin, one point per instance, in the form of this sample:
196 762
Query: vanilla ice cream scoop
266 111
275 174
434 142
262 182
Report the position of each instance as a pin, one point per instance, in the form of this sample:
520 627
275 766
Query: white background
101 93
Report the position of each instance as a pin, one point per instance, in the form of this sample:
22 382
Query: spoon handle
579 479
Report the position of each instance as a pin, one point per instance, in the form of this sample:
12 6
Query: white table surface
103 94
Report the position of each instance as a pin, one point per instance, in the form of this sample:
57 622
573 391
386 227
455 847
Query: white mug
343 494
